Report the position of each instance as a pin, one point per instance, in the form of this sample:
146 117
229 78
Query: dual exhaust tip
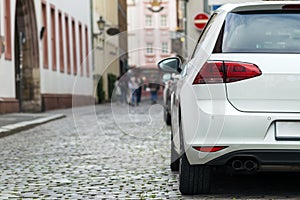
248 165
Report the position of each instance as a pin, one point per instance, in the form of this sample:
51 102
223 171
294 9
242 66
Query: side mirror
170 65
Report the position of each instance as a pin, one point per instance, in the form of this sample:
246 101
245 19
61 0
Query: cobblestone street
87 155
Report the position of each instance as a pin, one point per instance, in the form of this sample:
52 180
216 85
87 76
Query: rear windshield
263 32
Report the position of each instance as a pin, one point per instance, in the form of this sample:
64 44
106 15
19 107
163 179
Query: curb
21 126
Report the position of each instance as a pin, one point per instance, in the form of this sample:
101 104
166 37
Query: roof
257 5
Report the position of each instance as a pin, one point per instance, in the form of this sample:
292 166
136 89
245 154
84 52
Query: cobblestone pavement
88 156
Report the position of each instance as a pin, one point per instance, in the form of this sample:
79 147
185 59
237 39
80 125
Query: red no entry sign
200 20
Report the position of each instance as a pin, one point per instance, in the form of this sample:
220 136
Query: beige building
106 54
43 55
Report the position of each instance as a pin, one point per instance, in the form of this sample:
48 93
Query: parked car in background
169 88
237 102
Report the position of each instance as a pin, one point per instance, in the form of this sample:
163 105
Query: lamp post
101 26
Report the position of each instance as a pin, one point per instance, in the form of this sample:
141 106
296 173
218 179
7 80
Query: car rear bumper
242 132
262 156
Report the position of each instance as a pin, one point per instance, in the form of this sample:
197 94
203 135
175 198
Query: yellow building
106 54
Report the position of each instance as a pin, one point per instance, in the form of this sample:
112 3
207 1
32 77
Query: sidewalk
14 122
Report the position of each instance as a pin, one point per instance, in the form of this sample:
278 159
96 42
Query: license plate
286 130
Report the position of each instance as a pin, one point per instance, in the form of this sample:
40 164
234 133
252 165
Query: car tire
167 117
175 159
194 179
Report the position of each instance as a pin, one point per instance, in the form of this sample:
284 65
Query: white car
237 103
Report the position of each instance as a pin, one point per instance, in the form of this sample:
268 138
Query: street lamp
101 24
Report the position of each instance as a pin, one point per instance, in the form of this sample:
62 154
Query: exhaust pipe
250 165
237 165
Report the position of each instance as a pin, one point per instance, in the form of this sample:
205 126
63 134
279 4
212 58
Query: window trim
61 42
165 20
80 49
45 38
150 25
74 40
7 27
162 48
53 36
86 30
148 48
68 48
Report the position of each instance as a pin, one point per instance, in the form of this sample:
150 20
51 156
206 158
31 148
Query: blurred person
123 84
140 83
133 86
118 91
154 87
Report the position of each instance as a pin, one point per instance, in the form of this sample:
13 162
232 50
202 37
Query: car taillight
226 72
291 7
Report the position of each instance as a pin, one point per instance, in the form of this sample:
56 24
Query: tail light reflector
226 72
291 7
210 148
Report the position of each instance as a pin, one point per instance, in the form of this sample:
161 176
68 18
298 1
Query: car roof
256 6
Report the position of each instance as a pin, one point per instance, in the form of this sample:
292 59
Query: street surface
87 155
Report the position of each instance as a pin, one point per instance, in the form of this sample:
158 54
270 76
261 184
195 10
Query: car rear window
262 32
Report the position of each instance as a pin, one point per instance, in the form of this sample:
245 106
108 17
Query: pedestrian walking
118 91
154 87
123 84
139 90
132 84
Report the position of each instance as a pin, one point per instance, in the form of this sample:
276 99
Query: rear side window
262 32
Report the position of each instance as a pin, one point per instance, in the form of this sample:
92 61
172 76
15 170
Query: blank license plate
288 130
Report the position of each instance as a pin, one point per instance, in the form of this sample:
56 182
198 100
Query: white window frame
163 21
165 48
148 21
149 48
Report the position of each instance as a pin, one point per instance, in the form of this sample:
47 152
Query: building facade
44 60
192 34
110 49
149 31
123 37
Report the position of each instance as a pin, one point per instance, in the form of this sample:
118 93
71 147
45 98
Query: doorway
27 70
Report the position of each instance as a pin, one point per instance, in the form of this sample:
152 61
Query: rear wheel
175 158
194 179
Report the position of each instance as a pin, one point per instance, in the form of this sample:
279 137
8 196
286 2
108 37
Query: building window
164 48
45 38
8 34
80 49
163 21
53 38
68 45
61 44
149 48
148 21
87 51
74 48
